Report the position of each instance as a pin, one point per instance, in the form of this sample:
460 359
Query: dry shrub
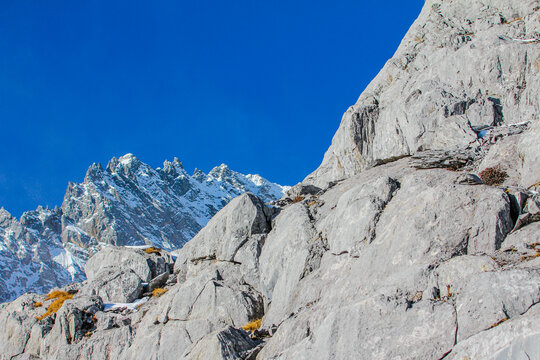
60 297
493 176
298 198
158 292
153 250
252 326
531 257
533 185
448 292
56 294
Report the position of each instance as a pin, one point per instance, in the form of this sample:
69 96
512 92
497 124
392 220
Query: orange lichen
38 304
252 326
158 292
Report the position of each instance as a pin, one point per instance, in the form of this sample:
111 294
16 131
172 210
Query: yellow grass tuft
498 323
60 297
448 292
531 257
56 294
252 326
158 292
152 250
298 198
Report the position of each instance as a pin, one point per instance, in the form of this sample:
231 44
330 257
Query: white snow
76 229
126 159
131 306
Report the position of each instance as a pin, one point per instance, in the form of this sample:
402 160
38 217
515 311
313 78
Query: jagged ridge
127 203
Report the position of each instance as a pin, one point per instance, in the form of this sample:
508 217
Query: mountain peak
127 159
220 172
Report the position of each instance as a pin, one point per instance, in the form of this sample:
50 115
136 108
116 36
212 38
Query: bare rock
226 344
113 259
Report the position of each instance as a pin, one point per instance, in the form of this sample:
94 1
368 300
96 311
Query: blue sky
258 85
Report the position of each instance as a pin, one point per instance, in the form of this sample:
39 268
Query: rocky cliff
417 238
127 203
464 68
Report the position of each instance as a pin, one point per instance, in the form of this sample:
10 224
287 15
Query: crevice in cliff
498 116
316 252
395 185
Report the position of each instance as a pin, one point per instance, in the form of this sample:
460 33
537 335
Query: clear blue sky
258 85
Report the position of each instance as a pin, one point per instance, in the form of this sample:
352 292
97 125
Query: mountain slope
434 256
128 203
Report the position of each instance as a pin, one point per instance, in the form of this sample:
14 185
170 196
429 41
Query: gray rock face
128 203
461 66
115 259
415 277
113 285
357 271
398 258
512 340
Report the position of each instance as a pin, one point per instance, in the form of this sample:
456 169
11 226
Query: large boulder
146 265
234 237
112 286
285 258
514 339
225 344
19 323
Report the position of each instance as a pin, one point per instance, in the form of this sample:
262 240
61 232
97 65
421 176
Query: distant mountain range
127 203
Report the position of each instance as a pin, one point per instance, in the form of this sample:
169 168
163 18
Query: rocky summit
128 203
418 237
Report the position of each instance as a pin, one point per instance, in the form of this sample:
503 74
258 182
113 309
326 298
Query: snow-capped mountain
127 203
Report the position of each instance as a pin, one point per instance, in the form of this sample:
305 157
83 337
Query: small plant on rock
498 323
493 176
252 326
60 297
298 198
449 293
152 250
158 292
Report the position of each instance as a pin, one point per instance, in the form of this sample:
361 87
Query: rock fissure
394 188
